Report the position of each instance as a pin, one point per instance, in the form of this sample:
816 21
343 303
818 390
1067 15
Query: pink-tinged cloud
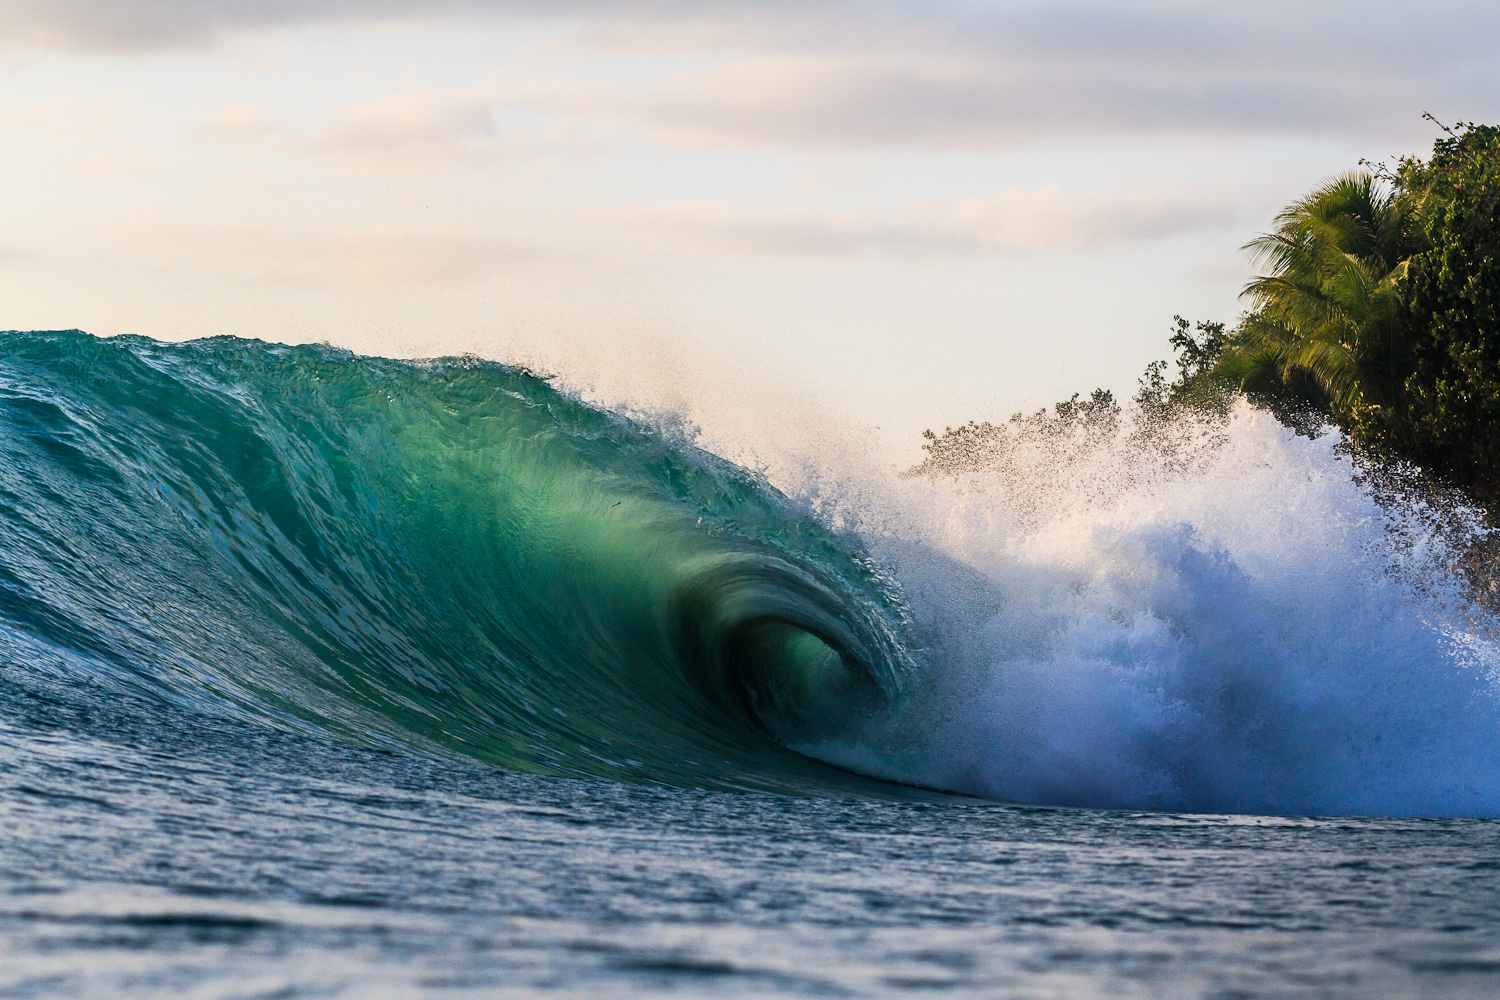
1017 221
941 72
415 130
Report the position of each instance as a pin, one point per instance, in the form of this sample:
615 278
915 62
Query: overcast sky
906 214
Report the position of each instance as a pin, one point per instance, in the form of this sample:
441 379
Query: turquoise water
334 676
452 557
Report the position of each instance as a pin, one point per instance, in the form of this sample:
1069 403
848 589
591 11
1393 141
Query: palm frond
1324 306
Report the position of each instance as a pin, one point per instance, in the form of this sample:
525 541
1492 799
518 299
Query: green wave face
449 554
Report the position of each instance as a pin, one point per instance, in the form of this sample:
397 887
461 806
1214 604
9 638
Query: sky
896 215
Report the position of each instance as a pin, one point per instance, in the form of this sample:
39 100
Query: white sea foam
1235 625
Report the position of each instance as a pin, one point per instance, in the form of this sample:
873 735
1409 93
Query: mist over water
1228 622
1219 616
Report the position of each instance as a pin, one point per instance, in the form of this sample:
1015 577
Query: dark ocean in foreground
335 676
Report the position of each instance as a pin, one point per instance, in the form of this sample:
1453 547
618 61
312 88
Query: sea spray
457 558
1218 616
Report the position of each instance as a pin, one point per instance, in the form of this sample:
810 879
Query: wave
458 558
451 555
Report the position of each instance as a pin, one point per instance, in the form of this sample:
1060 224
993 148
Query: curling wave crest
455 557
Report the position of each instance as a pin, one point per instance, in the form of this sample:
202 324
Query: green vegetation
1074 425
1378 311
1451 308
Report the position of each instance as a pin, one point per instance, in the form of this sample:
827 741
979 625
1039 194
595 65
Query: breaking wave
456 557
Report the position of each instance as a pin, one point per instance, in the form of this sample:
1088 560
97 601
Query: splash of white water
1231 624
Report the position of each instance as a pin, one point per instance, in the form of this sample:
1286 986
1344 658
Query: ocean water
334 676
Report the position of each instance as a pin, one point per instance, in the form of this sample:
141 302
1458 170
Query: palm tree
1324 323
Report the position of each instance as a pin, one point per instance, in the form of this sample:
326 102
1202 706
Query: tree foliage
1451 314
1074 425
1157 399
1378 309
1324 329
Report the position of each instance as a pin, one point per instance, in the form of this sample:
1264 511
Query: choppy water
328 676
169 855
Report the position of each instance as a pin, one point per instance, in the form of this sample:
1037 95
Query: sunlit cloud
1016 221
944 72
966 94
67 115
422 129
406 131
240 122
818 102
290 166
840 177
378 256
102 25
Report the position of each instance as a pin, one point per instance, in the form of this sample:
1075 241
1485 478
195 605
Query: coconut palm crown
1324 323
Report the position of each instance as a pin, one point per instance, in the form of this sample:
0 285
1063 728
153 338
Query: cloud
947 73
105 25
1017 221
419 130
1025 78
414 127
158 24
414 130
242 122
377 256
91 118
